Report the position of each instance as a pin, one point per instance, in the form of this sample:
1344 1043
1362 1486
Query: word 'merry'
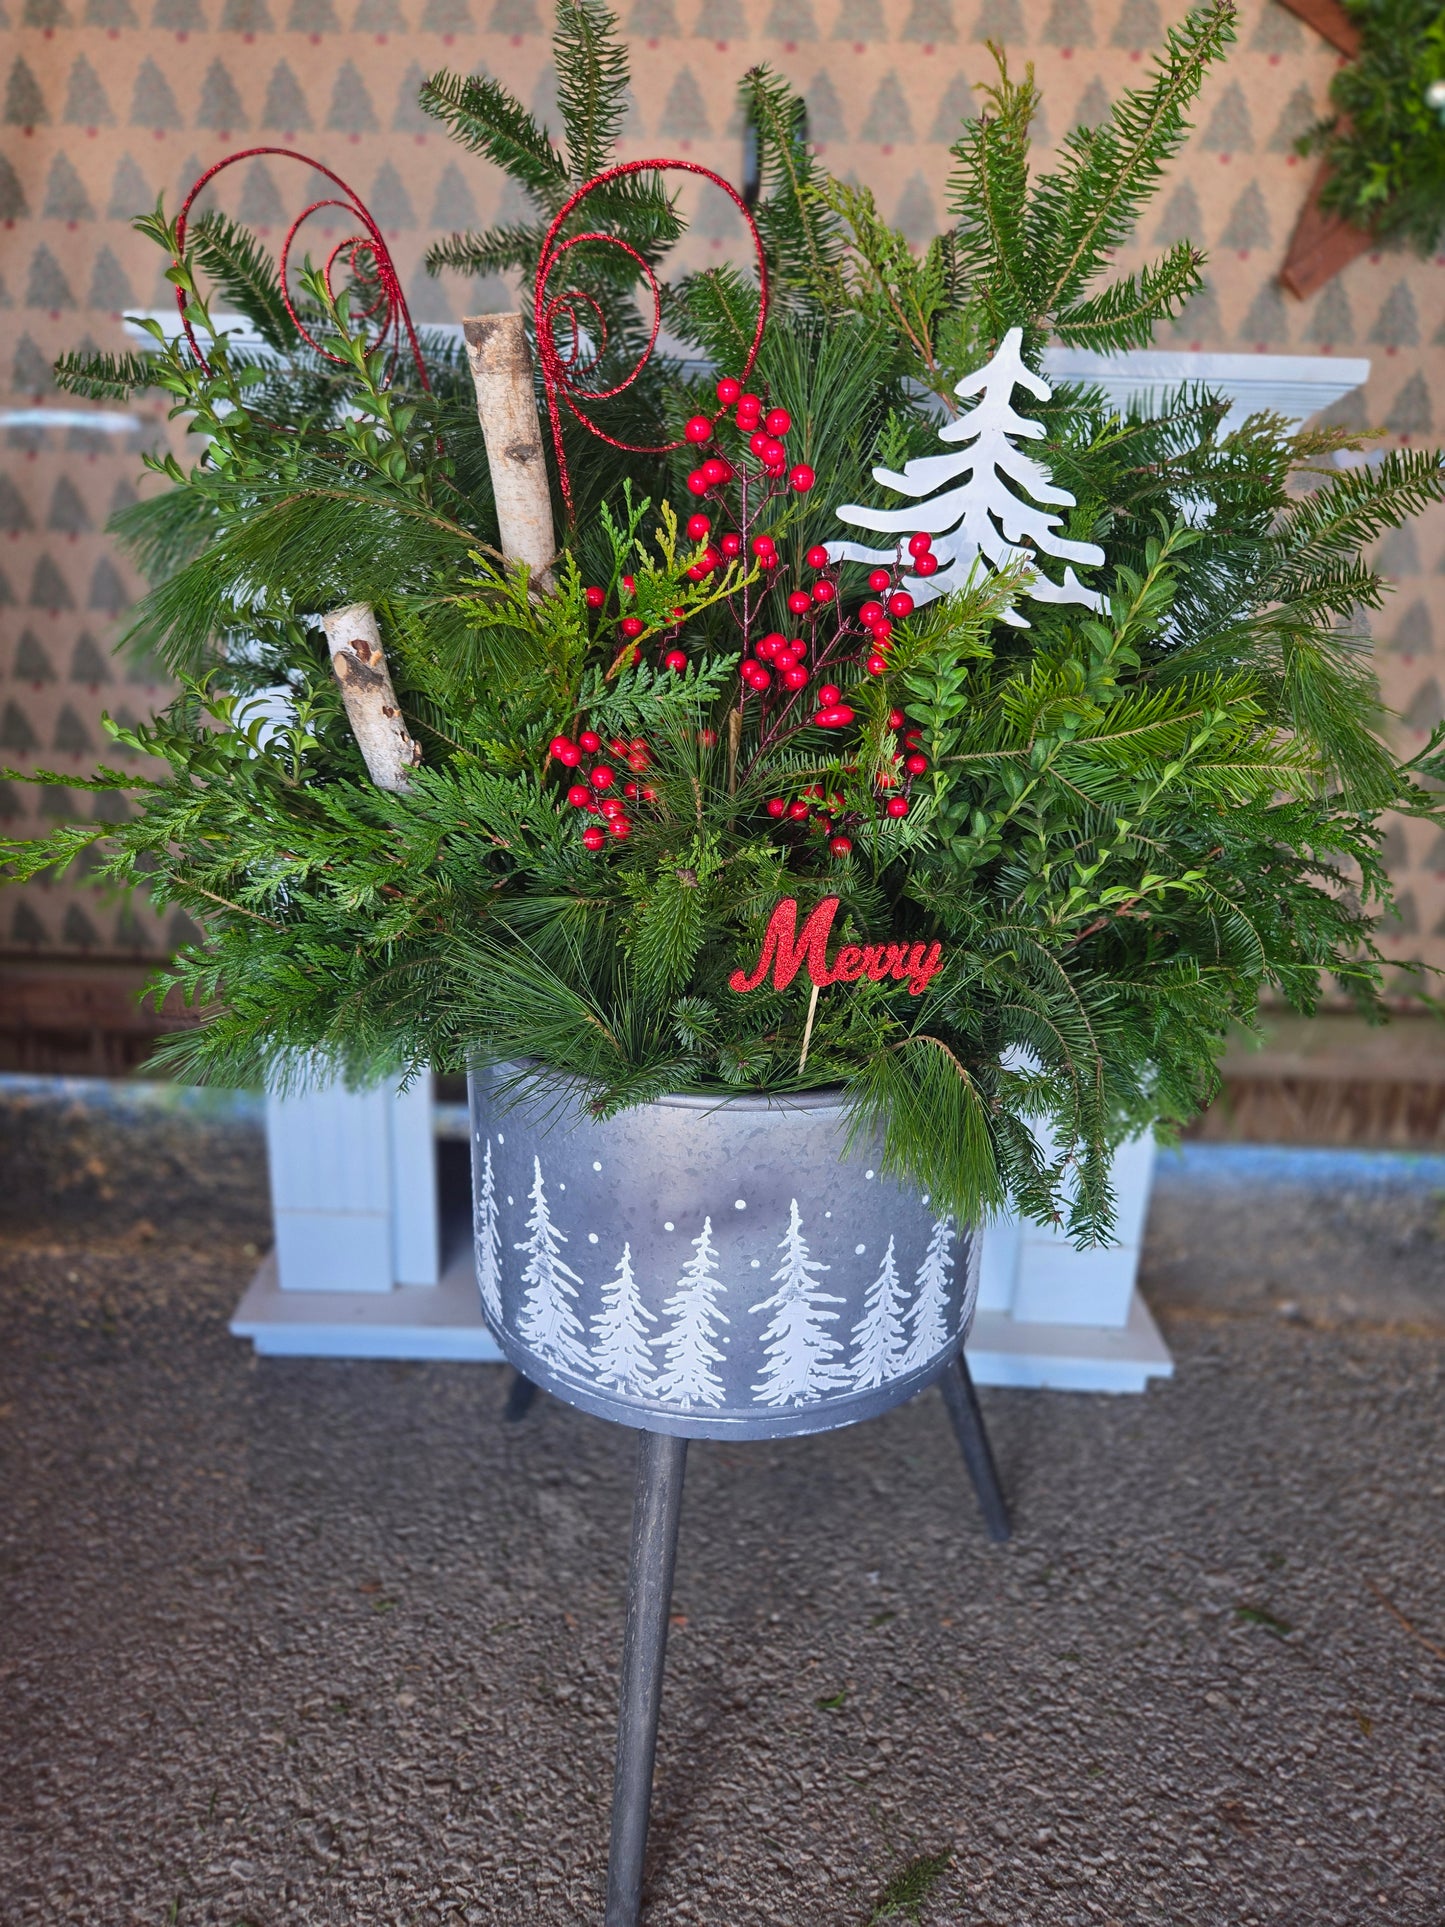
786 949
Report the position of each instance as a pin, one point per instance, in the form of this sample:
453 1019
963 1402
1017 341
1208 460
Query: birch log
501 365
359 663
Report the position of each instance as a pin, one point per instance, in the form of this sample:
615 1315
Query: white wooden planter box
1295 386
359 1271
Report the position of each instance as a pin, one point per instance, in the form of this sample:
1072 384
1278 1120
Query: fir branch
928 1106
484 118
717 311
244 273
1126 313
988 192
497 251
640 208
798 234
1356 505
103 377
1089 206
592 80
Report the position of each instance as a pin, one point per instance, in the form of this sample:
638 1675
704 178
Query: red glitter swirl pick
559 370
390 304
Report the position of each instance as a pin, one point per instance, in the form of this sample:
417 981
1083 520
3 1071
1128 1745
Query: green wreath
1385 142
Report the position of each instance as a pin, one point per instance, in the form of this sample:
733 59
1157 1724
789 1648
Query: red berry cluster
787 659
814 809
765 433
817 810
594 795
777 668
631 627
878 617
765 444
727 548
875 618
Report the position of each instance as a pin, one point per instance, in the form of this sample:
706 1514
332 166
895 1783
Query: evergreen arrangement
1122 814
1385 141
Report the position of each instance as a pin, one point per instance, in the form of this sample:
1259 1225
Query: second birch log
359 662
501 364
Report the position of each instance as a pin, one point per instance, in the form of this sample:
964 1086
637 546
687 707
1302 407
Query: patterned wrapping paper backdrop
107 102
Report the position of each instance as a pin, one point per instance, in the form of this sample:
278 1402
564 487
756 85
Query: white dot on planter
509 1197
827 1214
592 1237
757 1264
858 1250
867 1174
500 1138
561 1187
925 1197
596 1164
740 1204
668 1225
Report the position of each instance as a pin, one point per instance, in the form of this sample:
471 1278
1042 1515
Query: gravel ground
308 1643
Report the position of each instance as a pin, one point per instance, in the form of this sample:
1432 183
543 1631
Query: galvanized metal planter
711 1267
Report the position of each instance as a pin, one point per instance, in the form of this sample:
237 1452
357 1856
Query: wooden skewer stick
808 1029
501 364
359 663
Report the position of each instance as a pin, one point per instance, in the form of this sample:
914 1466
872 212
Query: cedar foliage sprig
1130 823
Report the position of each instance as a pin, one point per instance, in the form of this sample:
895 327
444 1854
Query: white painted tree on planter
689 1353
620 1347
547 1318
929 1315
982 514
880 1340
804 1359
488 1243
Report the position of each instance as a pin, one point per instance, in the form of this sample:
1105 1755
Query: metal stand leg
968 1428
519 1399
661 1461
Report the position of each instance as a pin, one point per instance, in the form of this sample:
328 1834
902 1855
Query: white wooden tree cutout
803 1356
688 1351
547 1318
880 1342
930 1298
620 1350
488 1243
981 515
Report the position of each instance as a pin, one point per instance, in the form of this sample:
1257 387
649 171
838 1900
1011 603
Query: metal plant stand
656 1511
657 1508
964 1414
966 1417
709 1267
520 1396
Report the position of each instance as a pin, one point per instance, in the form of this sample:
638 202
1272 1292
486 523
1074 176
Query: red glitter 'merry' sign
786 949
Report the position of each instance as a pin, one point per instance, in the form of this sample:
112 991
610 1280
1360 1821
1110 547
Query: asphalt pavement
303 1643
